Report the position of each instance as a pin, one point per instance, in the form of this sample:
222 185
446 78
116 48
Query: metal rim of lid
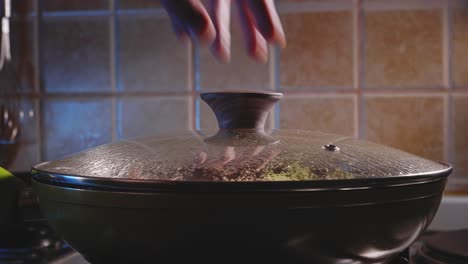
113 184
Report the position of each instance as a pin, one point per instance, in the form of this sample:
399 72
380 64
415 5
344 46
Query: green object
4 174
293 172
10 188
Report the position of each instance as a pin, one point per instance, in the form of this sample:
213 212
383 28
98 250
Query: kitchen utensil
5 51
242 195
9 132
9 123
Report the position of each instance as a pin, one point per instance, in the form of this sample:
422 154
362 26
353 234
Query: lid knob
236 110
331 147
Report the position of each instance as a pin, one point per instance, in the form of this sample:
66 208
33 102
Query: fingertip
193 19
259 54
222 54
205 36
275 35
258 48
221 47
268 22
184 38
280 37
220 16
262 58
283 44
281 41
208 34
277 39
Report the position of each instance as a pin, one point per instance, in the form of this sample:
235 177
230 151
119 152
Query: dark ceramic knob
241 117
235 110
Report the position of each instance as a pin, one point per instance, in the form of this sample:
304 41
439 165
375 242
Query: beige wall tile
153 116
410 123
460 47
403 48
456 186
242 73
460 135
319 51
152 59
27 156
332 114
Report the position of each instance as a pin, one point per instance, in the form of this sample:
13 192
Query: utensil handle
237 110
5 52
7 8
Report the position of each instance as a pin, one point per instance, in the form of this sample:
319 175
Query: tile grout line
382 5
275 70
275 77
386 91
40 150
448 128
191 71
319 92
343 5
113 66
358 71
336 5
278 88
356 48
446 46
332 6
423 94
153 12
274 84
448 83
196 84
36 32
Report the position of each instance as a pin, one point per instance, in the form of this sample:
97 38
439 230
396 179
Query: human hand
259 19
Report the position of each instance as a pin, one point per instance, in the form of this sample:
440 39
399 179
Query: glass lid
242 151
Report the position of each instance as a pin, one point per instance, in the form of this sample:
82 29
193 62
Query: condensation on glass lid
294 156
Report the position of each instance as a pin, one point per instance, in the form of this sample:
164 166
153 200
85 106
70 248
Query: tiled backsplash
394 72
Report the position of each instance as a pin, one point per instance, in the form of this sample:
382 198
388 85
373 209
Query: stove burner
445 247
27 243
